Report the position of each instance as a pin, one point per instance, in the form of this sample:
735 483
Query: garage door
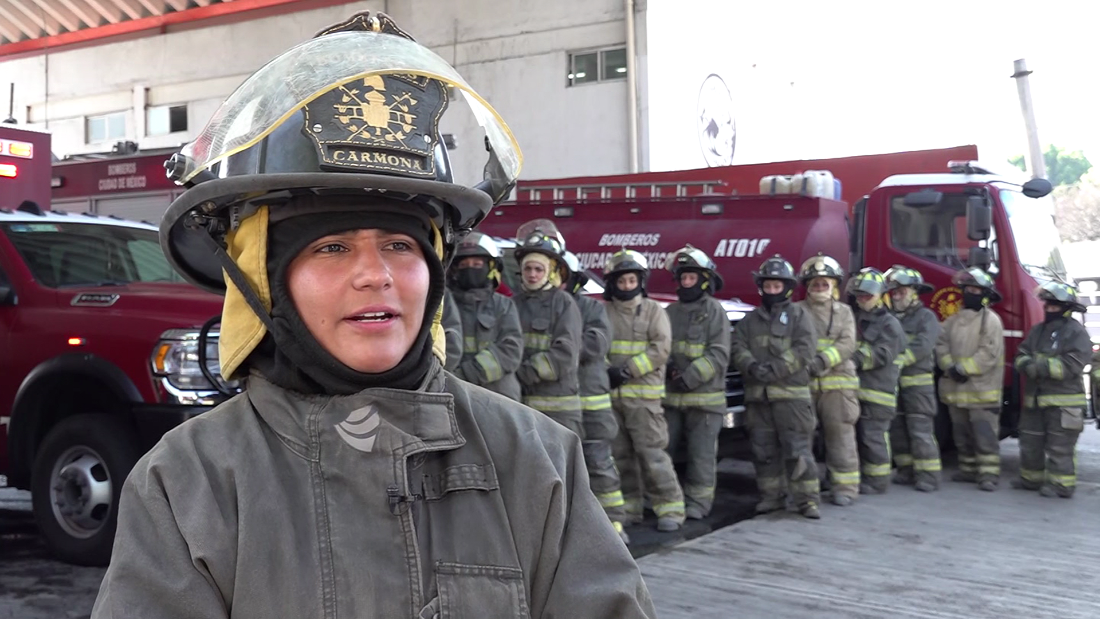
147 207
82 205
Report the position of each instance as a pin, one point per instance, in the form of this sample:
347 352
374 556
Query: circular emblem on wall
947 302
717 128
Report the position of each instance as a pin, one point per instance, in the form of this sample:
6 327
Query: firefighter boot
903 476
809 510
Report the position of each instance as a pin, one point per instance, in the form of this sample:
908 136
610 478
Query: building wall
513 52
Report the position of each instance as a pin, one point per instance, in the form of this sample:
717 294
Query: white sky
924 74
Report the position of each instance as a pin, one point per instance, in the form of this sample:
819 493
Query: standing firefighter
551 326
913 433
600 426
833 381
695 398
641 339
770 348
1053 358
971 352
881 341
493 342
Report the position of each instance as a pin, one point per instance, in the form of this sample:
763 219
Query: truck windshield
1036 237
76 254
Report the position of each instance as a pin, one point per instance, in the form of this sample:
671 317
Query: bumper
153 420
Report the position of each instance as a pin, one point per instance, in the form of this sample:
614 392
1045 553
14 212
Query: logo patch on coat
360 429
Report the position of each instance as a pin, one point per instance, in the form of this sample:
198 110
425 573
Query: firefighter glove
954 374
617 376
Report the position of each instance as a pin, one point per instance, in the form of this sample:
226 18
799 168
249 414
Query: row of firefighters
634 381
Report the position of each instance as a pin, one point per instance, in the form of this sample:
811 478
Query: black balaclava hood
771 300
468 278
692 293
1062 312
626 295
290 356
974 301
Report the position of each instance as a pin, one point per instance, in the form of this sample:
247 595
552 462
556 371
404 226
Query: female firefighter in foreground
641 340
881 342
493 342
913 433
770 348
1052 358
353 477
696 382
600 427
833 377
971 353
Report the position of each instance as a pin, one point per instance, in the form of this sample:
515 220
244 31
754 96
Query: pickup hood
736 309
176 305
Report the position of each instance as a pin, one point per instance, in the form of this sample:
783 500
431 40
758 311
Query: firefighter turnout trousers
1048 445
640 454
977 432
781 432
913 434
600 430
700 428
838 410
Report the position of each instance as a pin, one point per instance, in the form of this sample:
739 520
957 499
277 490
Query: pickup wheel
76 483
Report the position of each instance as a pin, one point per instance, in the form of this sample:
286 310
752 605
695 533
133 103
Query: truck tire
76 483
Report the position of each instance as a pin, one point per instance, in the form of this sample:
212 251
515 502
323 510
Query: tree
1063 167
1077 210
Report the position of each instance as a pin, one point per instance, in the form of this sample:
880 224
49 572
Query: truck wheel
76 483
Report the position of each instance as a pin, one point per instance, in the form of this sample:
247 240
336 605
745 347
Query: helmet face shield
820 266
899 276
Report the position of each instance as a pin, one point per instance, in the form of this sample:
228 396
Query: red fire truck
947 215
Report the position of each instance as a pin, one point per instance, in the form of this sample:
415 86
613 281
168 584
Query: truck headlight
176 358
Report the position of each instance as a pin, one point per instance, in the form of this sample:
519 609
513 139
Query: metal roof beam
131 11
179 5
112 17
155 9
80 13
28 31
66 20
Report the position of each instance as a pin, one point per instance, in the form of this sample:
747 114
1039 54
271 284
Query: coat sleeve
584 570
1071 361
886 349
659 334
564 351
739 347
503 355
452 328
152 571
845 343
1025 353
596 341
944 358
716 356
991 348
923 340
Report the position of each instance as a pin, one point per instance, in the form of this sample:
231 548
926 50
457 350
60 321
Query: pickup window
936 233
73 254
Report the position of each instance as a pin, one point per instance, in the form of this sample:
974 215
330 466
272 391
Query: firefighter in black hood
695 397
771 348
1052 359
353 476
493 342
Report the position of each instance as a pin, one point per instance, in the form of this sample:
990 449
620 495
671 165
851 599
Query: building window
597 66
106 127
165 119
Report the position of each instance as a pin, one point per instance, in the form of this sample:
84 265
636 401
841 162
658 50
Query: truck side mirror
7 294
979 218
924 197
1037 188
980 257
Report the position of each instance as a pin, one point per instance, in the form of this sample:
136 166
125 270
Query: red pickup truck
99 357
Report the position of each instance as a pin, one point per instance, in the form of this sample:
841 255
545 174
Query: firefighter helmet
572 274
478 244
539 242
868 280
775 268
626 261
899 276
1062 294
973 276
689 258
821 266
353 112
